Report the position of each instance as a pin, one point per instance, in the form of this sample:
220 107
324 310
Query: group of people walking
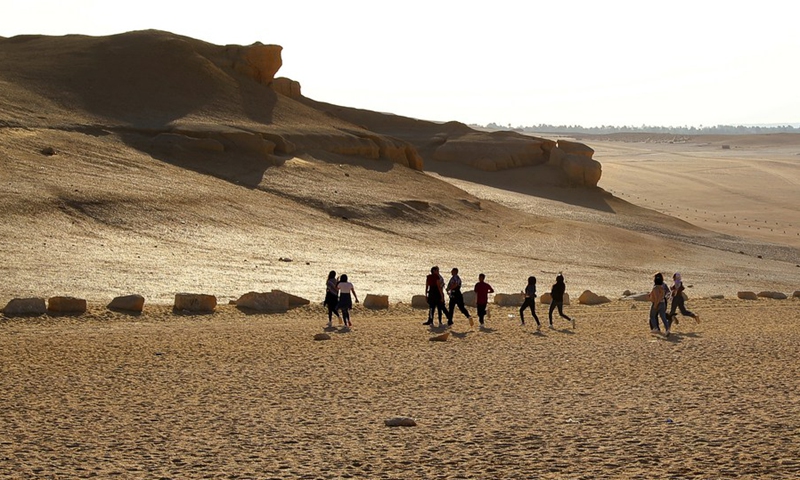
435 289
659 296
340 294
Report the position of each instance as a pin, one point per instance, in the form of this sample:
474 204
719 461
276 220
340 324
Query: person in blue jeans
658 308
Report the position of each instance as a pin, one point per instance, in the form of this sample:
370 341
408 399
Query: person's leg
522 310
461 306
451 308
550 314
481 312
561 311
431 310
533 312
662 312
653 318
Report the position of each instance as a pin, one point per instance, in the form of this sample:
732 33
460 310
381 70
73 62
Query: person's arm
354 294
491 290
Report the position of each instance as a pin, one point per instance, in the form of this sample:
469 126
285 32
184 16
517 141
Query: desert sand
231 395
90 208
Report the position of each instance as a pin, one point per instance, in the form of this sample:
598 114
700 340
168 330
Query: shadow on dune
542 181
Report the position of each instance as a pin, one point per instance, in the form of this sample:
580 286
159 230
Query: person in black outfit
530 301
456 297
557 292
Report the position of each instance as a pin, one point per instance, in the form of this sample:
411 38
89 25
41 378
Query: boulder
400 422
321 336
419 301
292 300
25 306
547 298
376 302
509 299
470 298
273 302
796 294
195 302
590 298
66 305
441 338
774 295
747 295
129 303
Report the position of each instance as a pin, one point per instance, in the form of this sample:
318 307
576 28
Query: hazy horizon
575 63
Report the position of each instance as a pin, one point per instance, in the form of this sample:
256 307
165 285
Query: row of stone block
766 294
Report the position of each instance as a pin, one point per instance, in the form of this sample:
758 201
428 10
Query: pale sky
666 63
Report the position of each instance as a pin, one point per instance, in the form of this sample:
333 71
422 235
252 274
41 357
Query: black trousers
456 299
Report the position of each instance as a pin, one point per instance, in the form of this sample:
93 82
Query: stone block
509 299
419 301
747 295
66 305
128 303
376 302
195 302
25 306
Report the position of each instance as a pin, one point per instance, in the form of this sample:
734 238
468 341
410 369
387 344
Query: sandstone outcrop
491 152
272 302
257 61
128 303
66 305
25 306
287 87
195 302
376 302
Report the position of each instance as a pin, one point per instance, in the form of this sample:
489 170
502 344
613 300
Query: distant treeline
685 130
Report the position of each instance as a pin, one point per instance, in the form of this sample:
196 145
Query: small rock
400 422
747 295
322 336
441 338
49 151
717 297
284 259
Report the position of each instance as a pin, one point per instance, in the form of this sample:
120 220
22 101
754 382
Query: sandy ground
232 395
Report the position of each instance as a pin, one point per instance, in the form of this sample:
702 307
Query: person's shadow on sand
486 329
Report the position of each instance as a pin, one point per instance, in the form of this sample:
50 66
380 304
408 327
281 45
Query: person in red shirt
482 291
